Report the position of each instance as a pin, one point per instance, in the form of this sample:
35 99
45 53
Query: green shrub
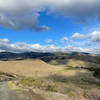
97 73
26 81
51 88
39 83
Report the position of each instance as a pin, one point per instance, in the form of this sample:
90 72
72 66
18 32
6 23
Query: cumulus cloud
81 10
23 14
78 35
19 47
20 15
78 49
21 22
95 36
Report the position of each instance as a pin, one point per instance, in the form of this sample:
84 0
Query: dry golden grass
36 68
57 82
73 63
52 95
79 63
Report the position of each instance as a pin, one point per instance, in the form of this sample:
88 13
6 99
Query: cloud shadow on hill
80 79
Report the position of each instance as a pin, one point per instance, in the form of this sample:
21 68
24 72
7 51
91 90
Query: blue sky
50 26
59 27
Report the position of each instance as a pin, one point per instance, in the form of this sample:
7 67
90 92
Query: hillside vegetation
58 77
35 67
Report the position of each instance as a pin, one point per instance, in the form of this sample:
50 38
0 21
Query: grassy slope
74 63
55 82
29 68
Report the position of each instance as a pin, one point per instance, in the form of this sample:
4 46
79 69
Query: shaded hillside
61 58
18 56
47 57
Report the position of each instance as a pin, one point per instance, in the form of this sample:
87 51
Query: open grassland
74 63
60 82
29 68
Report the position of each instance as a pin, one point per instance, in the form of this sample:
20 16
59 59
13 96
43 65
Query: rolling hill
55 76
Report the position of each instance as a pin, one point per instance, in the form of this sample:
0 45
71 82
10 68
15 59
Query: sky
50 26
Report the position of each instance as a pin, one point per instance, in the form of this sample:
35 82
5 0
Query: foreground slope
70 79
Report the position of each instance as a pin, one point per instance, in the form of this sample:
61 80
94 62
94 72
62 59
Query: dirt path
6 93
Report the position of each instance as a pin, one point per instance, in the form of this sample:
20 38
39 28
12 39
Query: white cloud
19 22
64 40
91 39
95 36
19 47
78 49
49 41
4 40
23 14
78 35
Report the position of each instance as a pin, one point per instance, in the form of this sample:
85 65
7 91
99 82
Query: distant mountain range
19 56
5 56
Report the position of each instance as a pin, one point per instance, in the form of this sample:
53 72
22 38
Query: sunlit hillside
55 81
28 67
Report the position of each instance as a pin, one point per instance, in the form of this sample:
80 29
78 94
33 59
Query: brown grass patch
29 68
